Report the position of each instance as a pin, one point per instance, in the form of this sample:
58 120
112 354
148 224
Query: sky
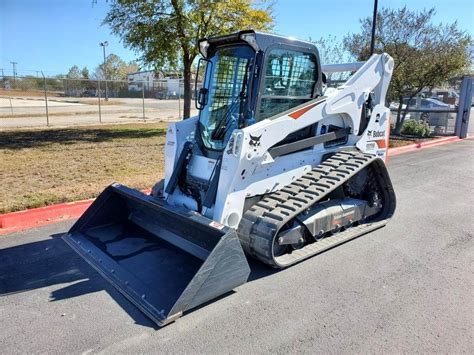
53 35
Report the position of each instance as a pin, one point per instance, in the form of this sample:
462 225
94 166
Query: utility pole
45 99
103 45
14 72
374 21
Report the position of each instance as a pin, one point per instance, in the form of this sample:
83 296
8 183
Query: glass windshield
228 75
290 76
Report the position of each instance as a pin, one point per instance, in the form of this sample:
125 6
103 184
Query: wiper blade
221 128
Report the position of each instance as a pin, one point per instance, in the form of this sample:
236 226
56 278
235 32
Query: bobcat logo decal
369 133
255 140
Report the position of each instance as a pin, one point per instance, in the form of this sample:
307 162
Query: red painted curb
37 217
413 147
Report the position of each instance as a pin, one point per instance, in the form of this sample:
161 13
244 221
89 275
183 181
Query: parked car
430 103
394 108
433 118
436 118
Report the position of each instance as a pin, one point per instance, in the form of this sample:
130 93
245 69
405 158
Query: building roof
141 72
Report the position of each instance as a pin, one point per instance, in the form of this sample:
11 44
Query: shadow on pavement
52 262
260 270
40 138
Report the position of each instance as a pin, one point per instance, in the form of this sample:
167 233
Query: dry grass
18 92
64 113
393 143
41 167
400 141
102 102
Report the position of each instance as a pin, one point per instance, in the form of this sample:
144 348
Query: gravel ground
405 288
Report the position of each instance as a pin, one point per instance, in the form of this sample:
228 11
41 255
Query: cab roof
262 41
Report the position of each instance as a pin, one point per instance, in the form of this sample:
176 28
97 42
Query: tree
29 82
74 86
167 31
115 68
425 54
74 72
132 67
332 51
85 73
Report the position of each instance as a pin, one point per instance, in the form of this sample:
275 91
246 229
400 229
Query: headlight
203 46
250 39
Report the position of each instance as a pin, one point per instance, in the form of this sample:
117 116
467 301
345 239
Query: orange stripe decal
297 114
382 143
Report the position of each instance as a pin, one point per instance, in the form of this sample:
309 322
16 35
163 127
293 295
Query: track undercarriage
325 207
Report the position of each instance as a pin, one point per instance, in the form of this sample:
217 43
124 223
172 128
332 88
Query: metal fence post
143 100
45 99
179 99
11 105
100 112
464 108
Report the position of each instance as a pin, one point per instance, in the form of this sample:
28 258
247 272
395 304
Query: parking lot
17 112
405 288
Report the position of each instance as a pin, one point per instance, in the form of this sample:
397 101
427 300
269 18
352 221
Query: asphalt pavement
405 288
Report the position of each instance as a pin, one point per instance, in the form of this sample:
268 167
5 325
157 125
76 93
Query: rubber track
261 223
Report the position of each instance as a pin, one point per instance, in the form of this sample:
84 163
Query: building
136 80
162 85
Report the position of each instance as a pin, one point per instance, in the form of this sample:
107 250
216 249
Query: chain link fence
31 101
437 107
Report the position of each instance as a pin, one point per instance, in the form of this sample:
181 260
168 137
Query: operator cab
250 76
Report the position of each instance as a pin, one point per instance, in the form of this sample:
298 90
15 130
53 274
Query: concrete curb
413 147
37 217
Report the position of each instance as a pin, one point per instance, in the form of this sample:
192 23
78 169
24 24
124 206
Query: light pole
374 20
103 45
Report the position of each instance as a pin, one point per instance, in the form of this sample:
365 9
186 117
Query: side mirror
202 94
201 98
325 79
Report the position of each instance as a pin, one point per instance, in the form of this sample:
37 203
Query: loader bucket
164 259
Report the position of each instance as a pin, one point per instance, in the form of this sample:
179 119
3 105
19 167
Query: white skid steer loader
275 165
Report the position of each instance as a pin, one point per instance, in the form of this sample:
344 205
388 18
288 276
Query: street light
374 20
103 45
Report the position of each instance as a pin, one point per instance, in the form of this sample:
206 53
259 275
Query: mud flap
164 259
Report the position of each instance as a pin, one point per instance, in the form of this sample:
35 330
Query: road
405 288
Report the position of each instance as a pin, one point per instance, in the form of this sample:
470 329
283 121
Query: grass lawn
42 167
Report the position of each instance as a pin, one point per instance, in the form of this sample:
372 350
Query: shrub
416 128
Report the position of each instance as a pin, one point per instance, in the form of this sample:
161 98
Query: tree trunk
398 124
187 88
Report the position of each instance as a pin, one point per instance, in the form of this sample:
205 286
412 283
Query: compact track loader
275 165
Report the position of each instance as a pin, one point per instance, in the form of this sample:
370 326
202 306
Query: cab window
290 77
